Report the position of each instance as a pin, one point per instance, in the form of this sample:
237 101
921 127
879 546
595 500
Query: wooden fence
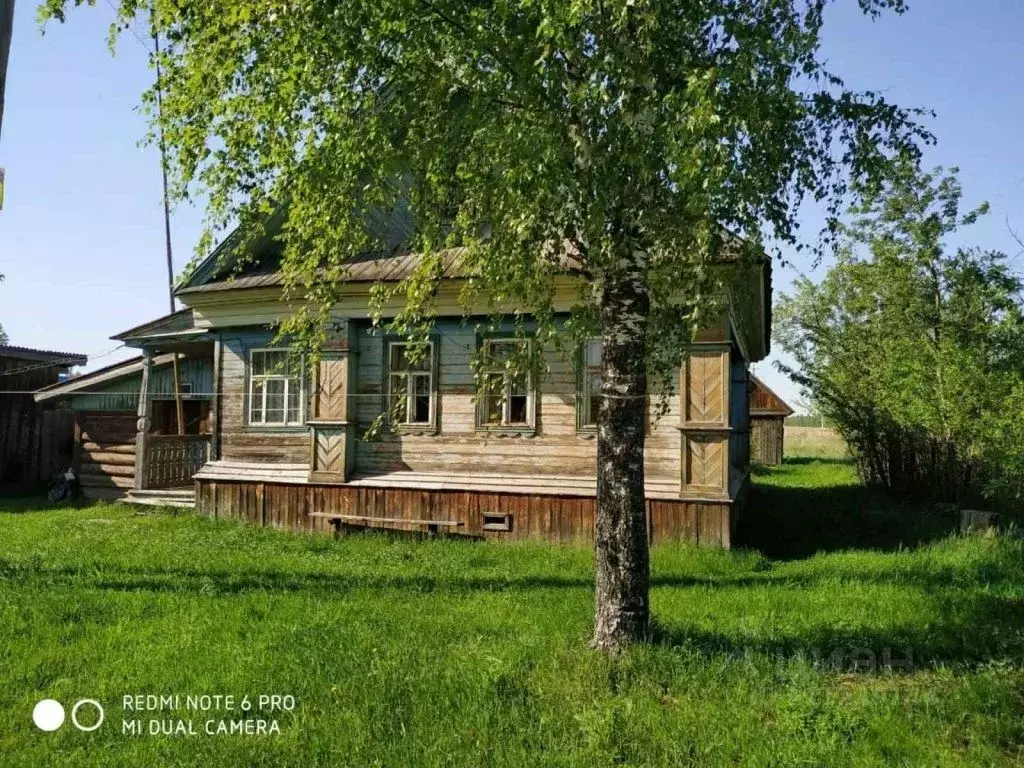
171 460
36 442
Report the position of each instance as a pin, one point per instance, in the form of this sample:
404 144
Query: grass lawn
445 653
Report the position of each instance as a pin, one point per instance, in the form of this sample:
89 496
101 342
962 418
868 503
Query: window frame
528 427
583 393
251 378
431 425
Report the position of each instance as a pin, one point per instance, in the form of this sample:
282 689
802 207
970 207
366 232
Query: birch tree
621 137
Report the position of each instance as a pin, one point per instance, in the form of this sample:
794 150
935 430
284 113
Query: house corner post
331 427
215 401
143 424
704 418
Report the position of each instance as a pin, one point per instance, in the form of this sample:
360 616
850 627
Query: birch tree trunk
623 568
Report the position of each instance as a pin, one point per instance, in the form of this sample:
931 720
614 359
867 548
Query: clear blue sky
81 233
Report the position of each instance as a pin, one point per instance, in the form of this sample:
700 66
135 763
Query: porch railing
171 460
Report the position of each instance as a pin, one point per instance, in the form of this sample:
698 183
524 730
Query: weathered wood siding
554 518
266 307
763 399
689 448
35 439
766 439
556 448
105 452
123 394
236 439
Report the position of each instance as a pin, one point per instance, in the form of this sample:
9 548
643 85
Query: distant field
447 653
813 441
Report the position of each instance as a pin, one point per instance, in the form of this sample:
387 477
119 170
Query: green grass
446 653
814 503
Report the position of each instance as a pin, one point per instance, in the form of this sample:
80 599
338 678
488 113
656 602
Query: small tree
618 137
912 347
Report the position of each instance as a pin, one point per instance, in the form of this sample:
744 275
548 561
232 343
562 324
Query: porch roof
101 376
177 326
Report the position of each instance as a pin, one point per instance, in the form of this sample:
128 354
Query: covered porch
176 412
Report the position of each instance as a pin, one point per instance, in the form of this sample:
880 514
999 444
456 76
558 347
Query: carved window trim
288 380
505 426
430 426
587 370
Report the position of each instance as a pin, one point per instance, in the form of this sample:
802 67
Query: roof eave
57 358
151 328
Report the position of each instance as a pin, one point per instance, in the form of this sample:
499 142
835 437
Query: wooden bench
432 527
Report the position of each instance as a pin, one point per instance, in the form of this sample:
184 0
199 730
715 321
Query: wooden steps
184 498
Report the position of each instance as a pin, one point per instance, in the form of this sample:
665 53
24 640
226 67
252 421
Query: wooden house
35 440
286 446
768 414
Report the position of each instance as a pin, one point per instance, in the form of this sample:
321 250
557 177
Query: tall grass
822 442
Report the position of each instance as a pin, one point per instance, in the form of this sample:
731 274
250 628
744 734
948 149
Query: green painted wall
123 394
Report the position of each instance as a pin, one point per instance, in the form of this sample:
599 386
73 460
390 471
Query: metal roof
233 259
369 268
177 323
42 355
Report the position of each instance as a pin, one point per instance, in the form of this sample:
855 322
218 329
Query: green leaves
523 131
915 350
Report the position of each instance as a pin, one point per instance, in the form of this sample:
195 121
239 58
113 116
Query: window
507 399
588 403
275 389
410 385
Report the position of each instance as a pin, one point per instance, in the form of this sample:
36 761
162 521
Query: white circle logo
48 715
74 715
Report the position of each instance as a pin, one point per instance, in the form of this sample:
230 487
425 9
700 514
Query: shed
35 440
768 414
